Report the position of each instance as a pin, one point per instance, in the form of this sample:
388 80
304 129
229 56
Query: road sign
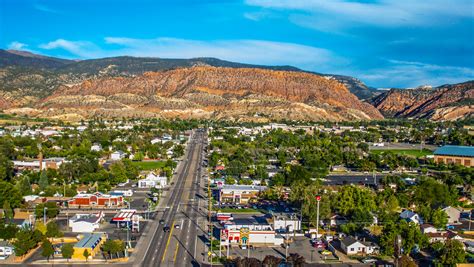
318 197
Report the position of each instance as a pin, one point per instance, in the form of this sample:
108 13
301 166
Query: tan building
239 194
460 155
91 243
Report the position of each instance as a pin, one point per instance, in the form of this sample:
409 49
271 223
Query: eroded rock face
224 92
449 102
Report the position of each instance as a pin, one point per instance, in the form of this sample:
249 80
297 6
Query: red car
319 244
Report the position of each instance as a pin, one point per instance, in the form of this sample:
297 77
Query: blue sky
385 43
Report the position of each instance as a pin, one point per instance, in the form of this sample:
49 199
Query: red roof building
97 199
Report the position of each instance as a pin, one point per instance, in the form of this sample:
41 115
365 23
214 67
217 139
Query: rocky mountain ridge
447 102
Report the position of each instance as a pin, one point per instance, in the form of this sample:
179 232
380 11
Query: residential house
96 147
352 246
454 214
118 155
411 216
442 236
428 228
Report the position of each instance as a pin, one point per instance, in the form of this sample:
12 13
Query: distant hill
446 102
29 60
39 82
126 66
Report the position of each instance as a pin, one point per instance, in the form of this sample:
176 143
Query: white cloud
413 74
44 8
255 16
386 13
82 49
17 46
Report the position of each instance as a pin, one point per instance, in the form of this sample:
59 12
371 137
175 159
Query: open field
408 152
148 165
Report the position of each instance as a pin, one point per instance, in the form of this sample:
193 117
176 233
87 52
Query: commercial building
89 242
97 200
253 231
286 222
460 155
86 223
49 163
153 180
239 194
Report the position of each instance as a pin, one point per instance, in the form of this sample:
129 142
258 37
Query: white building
96 147
85 223
352 246
253 231
428 228
117 155
6 249
454 214
284 221
411 216
153 180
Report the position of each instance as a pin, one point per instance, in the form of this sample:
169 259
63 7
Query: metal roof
89 240
460 151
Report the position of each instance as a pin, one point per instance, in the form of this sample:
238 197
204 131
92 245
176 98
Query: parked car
369 260
177 226
326 252
318 243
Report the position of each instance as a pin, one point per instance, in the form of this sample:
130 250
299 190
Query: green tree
439 218
26 239
43 181
52 210
119 173
453 252
47 249
67 250
7 210
86 254
6 168
9 193
39 225
53 230
7 231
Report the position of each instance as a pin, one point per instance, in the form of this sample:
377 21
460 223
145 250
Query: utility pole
318 198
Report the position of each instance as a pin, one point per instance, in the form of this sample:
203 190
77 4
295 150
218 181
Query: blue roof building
462 155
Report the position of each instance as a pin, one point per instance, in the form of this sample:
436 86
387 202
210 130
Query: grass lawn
148 165
408 152
244 210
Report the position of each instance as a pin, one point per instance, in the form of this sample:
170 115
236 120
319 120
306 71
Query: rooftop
462 151
89 240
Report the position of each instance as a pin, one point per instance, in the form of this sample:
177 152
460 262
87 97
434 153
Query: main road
178 246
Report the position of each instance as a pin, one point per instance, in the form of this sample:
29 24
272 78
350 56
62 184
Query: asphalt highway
176 247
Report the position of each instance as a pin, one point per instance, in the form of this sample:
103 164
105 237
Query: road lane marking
167 243
176 252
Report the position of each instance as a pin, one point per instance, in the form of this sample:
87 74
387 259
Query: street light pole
44 215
